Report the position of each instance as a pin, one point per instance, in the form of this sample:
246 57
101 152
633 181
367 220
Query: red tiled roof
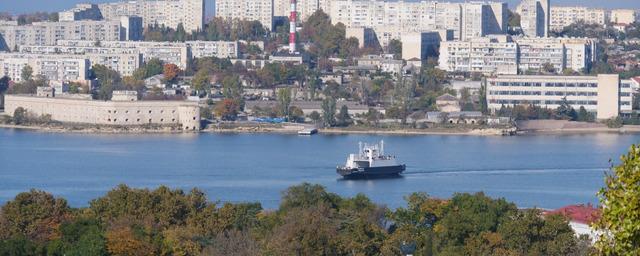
578 213
636 79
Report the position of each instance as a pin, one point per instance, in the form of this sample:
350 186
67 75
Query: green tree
19 116
315 116
232 88
27 73
181 34
395 48
201 81
4 86
284 101
329 111
343 116
619 225
108 79
583 115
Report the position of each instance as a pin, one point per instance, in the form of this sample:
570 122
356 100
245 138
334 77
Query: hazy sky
22 6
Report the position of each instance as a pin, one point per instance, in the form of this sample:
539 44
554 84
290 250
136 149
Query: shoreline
329 131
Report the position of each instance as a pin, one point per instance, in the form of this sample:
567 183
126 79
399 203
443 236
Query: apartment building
574 53
606 95
81 12
53 68
123 60
624 16
169 52
168 13
258 10
495 54
507 55
421 45
48 33
387 18
534 17
563 16
305 8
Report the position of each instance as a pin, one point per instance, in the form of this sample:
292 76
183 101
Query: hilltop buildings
48 33
466 20
168 13
563 16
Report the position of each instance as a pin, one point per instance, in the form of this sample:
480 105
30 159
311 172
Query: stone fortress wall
116 113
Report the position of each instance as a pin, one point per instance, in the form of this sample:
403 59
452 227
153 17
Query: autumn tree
619 225
227 109
170 72
36 215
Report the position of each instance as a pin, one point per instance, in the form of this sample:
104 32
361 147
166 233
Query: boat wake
504 171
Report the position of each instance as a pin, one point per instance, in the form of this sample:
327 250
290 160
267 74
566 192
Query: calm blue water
547 171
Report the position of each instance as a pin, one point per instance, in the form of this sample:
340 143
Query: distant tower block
293 18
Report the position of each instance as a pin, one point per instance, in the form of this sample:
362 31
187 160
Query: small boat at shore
308 131
370 162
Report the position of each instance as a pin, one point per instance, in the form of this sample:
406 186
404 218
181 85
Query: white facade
624 16
604 95
535 17
258 10
47 33
465 19
485 55
53 68
505 55
563 16
305 8
123 60
170 13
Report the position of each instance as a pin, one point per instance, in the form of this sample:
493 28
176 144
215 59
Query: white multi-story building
168 13
467 20
624 16
169 52
53 68
496 54
506 55
421 45
305 8
123 60
81 12
563 53
253 10
605 95
48 33
534 17
563 16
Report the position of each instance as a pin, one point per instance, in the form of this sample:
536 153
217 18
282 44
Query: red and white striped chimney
293 18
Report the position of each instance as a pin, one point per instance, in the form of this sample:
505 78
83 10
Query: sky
25 6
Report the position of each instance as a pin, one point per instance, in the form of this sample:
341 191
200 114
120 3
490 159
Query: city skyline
37 5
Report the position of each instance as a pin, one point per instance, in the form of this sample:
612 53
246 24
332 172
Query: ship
370 162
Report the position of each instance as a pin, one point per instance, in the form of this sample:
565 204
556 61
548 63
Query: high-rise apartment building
467 20
305 8
624 16
258 10
48 33
535 17
168 13
505 55
81 12
562 16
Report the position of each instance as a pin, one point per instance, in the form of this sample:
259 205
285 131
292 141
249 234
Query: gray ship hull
371 172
